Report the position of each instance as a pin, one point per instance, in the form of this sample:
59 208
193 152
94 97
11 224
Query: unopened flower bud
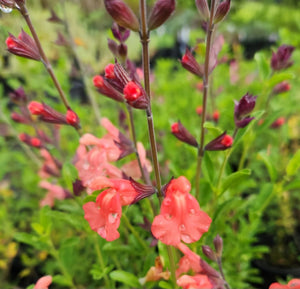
203 9
161 11
31 141
222 10
181 133
189 62
36 108
281 87
122 51
78 187
143 191
242 110
222 142
120 33
122 14
19 118
218 243
209 253
18 96
23 46
109 71
278 122
216 116
281 59
106 89
72 118
199 110
135 95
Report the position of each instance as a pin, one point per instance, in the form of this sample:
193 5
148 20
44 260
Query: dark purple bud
125 145
203 9
180 132
209 253
78 188
243 122
244 106
120 33
208 270
122 51
161 11
18 96
113 47
121 75
221 143
23 46
281 59
189 62
281 87
222 10
122 14
218 243
16 117
144 191
54 18
61 40
7 4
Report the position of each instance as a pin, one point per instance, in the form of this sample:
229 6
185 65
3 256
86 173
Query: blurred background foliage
258 216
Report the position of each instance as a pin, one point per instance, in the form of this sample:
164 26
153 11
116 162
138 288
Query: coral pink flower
194 282
293 284
43 283
180 216
104 215
54 192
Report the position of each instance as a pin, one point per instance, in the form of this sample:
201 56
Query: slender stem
101 261
144 37
44 58
219 261
135 233
205 93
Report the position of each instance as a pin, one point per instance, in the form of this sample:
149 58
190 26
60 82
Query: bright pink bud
199 110
216 116
281 87
35 142
109 71
43 283
222 142
161 11
122 14
222 10
36 108
132 91
189 62
72 118
278 122
98 81
23 46
227 141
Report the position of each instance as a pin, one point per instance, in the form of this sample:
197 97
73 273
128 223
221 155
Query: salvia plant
138 223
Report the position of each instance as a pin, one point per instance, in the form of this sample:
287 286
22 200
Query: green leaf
263 65
62 280
279 77
234 179
38 228
210 126
294 185
97 273
271 169
69 173
293 165
31 240
125 278
165 285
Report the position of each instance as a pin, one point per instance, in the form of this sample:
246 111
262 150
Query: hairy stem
205 93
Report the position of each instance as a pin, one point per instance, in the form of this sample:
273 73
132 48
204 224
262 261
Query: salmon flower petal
104 214
180 216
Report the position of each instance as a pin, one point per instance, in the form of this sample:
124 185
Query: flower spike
221 143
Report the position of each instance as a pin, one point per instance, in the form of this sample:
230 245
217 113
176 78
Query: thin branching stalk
144 37
209 38
219 261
